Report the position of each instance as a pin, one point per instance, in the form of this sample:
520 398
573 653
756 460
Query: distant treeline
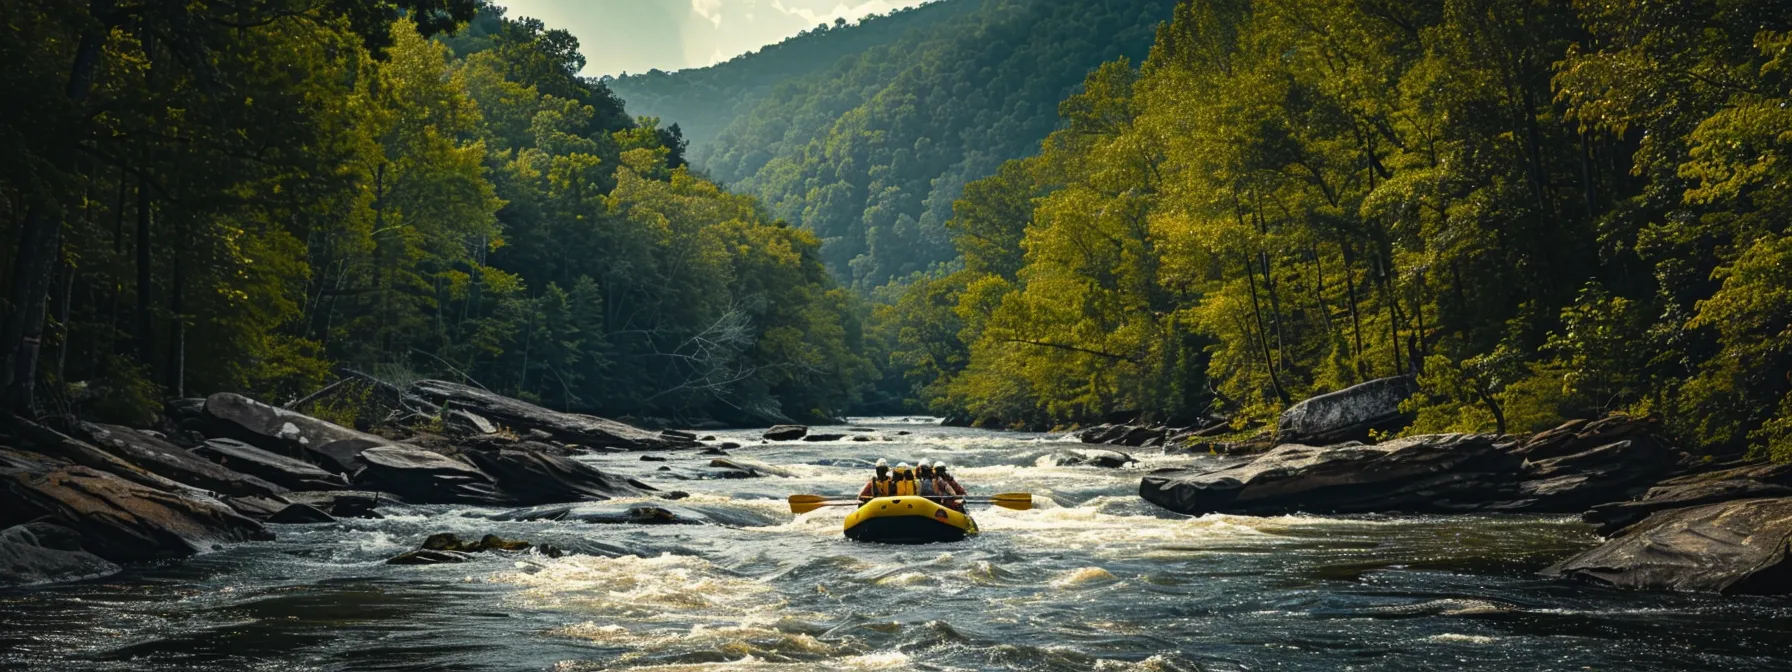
244 196
1544 209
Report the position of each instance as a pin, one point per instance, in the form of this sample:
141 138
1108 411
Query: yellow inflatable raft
907 520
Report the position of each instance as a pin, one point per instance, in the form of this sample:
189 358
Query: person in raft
948 485
904 479
925 485
880 484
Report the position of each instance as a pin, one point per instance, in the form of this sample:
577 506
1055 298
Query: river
1094 578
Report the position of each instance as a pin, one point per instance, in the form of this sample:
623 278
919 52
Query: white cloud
708 9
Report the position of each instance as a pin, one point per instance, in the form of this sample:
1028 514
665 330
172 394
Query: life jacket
905 487
882 487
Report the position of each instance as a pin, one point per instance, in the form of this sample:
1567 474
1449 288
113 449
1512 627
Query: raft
907 520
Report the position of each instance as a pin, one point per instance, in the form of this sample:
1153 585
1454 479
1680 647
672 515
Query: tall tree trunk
21 331
177 323
145 339
1387 292
1356 318
1269 360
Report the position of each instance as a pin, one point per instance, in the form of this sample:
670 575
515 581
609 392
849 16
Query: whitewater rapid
1092 578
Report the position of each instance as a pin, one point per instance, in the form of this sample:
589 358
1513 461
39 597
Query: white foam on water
1462 639
1082 577
662 588
890 660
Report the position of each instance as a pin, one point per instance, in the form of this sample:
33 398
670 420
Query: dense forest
1543 209
249 196
703 101
870 152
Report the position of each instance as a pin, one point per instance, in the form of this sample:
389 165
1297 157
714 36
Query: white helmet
883 462
901 466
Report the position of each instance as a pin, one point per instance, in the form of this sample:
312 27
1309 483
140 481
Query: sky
635 36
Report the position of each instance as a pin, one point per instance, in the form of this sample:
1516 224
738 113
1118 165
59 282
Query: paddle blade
1019 501
806 503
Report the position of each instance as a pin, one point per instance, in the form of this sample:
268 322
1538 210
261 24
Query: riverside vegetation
1530 213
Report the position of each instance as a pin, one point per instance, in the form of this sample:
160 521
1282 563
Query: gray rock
174 463
425 477
1735 547
274 468
643 514
284 432
1347 414
1088 457
257 508
535 477
469 422
1749 482
824 437
346 503
785 433
584 430
301 514
123 521
44 552
753 467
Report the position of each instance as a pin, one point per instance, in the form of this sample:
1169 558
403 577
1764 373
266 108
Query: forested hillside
702 101
870 152
1544 209
243 196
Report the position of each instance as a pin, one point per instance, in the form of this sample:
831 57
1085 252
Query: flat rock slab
1735 547
753 467
525 476
123 521
272 467
282 431
425 477
572 428
175 463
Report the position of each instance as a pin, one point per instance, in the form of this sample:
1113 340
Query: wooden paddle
1019 501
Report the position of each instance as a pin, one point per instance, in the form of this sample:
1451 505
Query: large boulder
425 477
50 448
574 428
1086 457
123 521
45 552
785 433
1439 472
1348 414
1747 482
539 477
1735 547
271 467
285 432
175 463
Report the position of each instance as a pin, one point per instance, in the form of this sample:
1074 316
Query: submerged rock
1348 414
274 468
785 433
429 557
45 552
346 503
824 437
445 547
643 514
751 467
572 428
1736 547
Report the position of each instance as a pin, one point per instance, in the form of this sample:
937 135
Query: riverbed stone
524 476
1735 547
123 521
272 467
44 552
1347 414
165 459
1087 457
425 477
571 428
785 433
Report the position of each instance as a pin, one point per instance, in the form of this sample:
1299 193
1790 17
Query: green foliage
1543 209
250 202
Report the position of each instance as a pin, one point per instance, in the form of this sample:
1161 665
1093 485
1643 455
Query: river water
1094 578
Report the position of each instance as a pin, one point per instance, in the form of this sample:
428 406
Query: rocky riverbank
80 498
1675 522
